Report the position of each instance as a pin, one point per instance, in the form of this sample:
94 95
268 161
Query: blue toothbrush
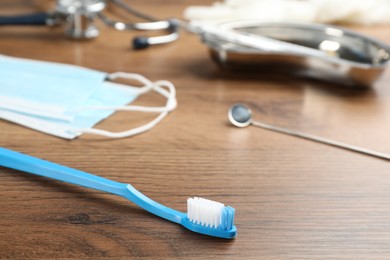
203 216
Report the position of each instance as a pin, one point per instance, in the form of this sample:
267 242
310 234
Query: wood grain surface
293 198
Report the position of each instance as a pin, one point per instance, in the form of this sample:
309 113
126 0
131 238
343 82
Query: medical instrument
318 51
79 20
203 216
241 116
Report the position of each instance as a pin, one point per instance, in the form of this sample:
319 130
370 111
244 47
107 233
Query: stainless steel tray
346 57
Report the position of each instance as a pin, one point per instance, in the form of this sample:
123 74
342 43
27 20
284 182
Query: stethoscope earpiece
142 42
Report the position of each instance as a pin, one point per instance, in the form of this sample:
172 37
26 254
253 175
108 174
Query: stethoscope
79 20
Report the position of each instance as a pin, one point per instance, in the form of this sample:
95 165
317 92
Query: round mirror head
240 115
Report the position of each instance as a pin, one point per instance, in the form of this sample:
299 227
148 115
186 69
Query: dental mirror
241 116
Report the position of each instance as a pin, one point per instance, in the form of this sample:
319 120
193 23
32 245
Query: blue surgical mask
67 101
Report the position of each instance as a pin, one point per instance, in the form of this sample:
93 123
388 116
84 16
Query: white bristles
204 212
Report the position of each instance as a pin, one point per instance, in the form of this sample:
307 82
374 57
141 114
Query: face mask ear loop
156 86
125 75
170 95
124 134
148 85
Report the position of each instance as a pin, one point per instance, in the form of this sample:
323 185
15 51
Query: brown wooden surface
293 198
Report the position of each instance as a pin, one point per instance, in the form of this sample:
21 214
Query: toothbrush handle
30 164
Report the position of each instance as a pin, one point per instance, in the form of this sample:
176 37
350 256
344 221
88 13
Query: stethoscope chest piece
80 16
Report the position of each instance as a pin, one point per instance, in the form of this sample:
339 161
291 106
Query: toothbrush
203 216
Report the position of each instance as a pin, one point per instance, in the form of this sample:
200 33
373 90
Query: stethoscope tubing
38 19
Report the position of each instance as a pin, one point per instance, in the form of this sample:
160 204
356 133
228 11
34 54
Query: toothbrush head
204 216
210 218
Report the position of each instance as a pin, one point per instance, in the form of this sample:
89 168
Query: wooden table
293 198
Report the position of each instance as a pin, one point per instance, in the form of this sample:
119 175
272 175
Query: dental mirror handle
241 116
321 140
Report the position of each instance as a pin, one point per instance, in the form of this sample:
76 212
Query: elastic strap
163 87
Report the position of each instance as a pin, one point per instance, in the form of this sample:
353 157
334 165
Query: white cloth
320 11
